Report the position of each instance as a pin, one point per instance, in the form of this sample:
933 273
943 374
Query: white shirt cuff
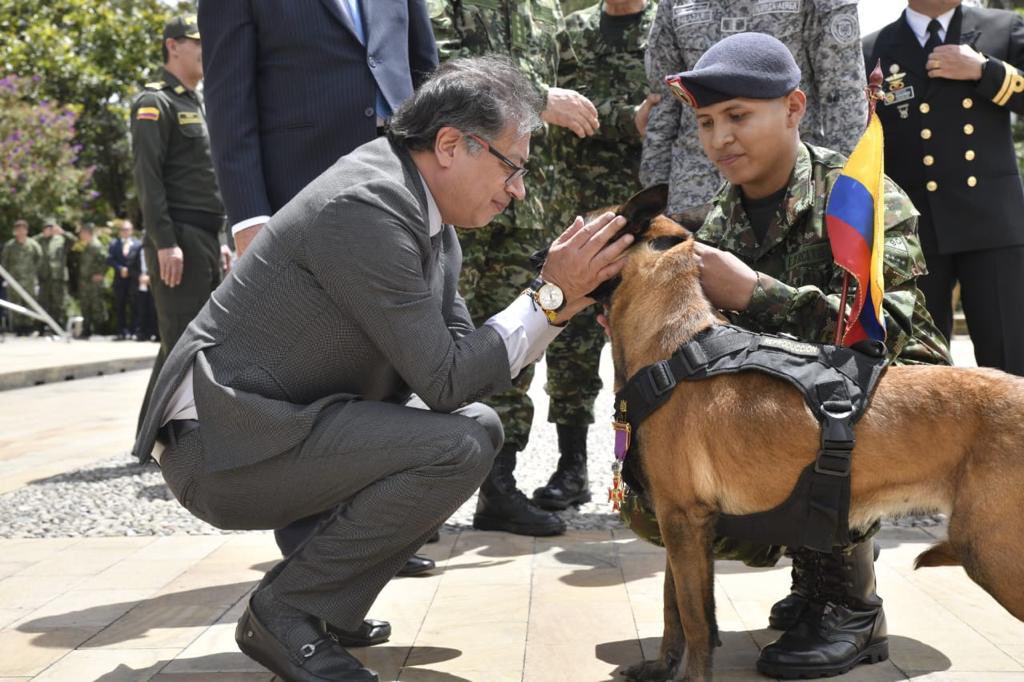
525 329
246 224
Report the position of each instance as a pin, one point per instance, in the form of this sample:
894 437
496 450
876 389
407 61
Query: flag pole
873 91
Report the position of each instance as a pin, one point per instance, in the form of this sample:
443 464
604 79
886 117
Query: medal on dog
620 424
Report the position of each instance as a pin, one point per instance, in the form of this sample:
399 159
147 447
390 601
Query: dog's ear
641 208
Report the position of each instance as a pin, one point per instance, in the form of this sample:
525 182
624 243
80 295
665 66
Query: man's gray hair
476 95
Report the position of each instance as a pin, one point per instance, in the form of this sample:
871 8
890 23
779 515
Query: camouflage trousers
53 299
19 322
636 514
495 269
90 300
572 364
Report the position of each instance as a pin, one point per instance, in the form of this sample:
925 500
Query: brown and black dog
934 438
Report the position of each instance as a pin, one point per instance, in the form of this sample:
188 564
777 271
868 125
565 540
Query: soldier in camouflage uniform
765 252
53 273
824 37
92 268
22 258
608 42
495 260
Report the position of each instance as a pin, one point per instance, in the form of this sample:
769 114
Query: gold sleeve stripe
1013 83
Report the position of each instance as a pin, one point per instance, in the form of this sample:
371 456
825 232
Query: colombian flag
855 218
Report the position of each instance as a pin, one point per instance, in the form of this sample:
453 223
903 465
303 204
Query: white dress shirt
919 24
523 327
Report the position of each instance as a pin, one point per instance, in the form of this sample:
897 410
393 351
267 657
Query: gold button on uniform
926 134
968 103
968 129
969 155
929 159
972 181
924 108
932 185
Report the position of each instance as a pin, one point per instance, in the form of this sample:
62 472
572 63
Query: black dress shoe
317 658
371 632
416 565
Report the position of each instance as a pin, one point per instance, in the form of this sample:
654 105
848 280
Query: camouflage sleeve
1002 82
150 124
833 40
810 313
663 58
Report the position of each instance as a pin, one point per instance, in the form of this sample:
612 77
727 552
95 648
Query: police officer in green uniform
604 58
766 259
181 206
53 272
496 259
90 274
22 258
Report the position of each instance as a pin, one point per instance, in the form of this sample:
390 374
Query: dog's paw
649 671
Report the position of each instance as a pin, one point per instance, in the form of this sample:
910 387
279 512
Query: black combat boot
569 484
842 626
502 506
787 611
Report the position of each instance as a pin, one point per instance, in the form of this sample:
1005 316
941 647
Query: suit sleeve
663 58
422 49
910 335
1002 82
230 51
150 136
835 52
391 301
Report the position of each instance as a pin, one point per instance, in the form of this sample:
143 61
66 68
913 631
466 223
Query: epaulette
155 85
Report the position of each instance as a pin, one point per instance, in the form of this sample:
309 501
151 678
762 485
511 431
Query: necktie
933 36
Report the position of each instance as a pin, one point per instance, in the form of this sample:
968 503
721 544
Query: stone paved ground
577 608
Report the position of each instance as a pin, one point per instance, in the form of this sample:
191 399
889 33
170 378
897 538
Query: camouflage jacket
604 169
529 33
92 260
824 36
800 285
23 261
54 266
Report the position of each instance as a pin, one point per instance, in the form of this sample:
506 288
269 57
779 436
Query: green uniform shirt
527 32
23 261
171 148
800 284
54 265
92 260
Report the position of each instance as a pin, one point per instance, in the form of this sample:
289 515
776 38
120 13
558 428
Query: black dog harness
837 383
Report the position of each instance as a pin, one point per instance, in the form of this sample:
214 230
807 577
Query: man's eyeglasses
517 170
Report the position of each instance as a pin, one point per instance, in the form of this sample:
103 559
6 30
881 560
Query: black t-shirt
613 27
761 212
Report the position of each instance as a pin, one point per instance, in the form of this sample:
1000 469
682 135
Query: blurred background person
125 255
90 274
22 258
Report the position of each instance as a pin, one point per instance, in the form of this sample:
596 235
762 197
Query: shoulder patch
844 28
147 114
155 85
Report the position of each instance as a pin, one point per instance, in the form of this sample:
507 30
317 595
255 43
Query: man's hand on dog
569 109
727 281
583 257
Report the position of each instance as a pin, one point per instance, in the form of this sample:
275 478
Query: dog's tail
938 555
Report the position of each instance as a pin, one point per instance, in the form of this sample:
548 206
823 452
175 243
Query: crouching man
286 395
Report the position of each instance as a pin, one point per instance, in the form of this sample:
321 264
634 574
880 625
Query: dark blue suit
290 88
125 287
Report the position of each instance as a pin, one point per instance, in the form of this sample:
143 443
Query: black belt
212 222
170 433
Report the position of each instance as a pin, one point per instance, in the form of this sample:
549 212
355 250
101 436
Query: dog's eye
665 243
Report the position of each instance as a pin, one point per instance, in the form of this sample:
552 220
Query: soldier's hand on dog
727 281
569 109
955 62
583 257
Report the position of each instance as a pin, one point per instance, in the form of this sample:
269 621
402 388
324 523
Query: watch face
550 297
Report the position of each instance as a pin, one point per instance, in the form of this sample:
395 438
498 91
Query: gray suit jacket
343 296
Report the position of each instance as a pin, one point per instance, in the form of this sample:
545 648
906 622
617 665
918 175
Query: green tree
90 56
38 155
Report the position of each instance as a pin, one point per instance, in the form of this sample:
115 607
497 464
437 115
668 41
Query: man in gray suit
287 394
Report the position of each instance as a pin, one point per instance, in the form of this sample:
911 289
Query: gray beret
751 65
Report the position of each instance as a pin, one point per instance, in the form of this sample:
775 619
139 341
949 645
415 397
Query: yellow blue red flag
855 218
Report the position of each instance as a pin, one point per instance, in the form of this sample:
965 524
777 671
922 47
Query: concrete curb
45 375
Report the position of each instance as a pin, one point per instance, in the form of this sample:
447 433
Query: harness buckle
837 440
661 378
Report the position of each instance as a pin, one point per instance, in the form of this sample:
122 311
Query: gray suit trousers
392 473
